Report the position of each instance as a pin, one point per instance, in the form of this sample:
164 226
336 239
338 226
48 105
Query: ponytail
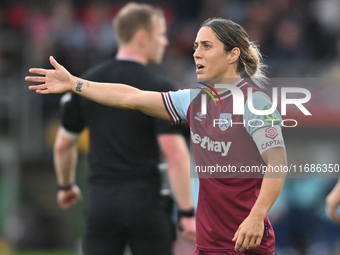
253 65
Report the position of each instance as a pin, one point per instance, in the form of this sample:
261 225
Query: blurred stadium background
299 38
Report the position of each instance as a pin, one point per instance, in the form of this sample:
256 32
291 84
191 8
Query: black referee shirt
123 143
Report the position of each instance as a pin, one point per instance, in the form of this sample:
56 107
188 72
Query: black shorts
128 212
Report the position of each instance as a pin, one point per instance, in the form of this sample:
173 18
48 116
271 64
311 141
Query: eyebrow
204 42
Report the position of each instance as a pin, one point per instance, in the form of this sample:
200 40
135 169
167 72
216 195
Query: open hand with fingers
249 234
53 81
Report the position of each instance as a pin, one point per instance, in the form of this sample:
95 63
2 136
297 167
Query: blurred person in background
333 202
123 202
68 37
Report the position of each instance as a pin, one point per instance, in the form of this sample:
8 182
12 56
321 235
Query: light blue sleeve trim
260 101
181 100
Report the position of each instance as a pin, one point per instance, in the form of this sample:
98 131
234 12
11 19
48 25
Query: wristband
65 188
184 213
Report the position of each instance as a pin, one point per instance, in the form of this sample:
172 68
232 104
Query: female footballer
232 205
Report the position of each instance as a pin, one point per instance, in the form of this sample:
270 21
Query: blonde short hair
133 17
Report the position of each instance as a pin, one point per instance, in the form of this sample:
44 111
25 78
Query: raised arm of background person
177 156
250 231
65 162
333 202
110 94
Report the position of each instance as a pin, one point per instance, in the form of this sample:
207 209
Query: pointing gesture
59 80
53 81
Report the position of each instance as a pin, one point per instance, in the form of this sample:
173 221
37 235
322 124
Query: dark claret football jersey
226 197
123 142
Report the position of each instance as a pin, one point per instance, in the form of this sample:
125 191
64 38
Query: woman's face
212 61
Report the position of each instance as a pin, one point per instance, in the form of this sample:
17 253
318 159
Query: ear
141 38
234 55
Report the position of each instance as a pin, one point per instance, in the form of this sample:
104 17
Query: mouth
199 68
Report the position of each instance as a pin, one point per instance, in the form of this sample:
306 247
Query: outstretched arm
59 80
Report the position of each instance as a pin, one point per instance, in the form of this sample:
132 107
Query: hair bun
252 62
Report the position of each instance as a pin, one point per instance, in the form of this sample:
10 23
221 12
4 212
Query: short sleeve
264 129
71 115
253 121
177 104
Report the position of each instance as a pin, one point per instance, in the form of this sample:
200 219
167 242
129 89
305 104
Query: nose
197 53
166 41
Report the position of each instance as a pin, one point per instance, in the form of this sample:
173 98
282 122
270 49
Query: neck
127 52
230 77
214 81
